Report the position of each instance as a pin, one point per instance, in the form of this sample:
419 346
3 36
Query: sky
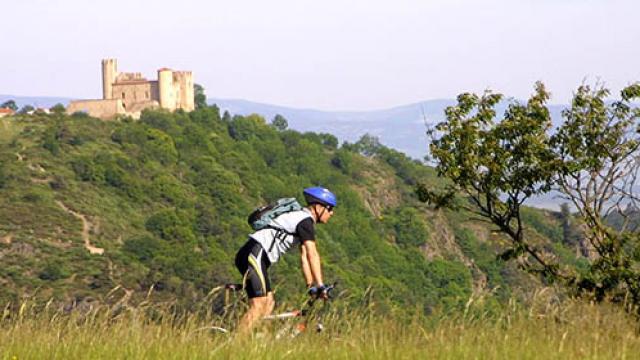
327 55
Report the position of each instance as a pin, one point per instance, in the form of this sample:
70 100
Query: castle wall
183 81
155 91
103 109
132 92
136 109
128 76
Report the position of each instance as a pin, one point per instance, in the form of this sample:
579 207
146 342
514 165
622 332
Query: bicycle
307 312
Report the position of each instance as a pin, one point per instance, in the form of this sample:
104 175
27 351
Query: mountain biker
265 247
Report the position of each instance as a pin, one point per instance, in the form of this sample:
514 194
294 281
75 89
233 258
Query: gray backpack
261 217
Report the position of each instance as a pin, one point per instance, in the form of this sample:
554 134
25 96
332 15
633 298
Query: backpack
261 217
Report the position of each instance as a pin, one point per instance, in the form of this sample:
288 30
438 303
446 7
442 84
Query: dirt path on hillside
44 181
36 167
86 227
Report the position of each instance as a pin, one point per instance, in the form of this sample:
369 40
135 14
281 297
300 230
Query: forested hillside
87 206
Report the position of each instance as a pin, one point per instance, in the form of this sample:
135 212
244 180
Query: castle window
146 94
123 95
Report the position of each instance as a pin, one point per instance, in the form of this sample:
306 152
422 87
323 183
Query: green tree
497 165
279 122
329 141
246 127
597 150
591 160
160 146
226 117
199 98
58 109
26 109
368 145
9 104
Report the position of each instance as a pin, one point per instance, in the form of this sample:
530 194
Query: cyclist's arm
309 254
306 270
313 259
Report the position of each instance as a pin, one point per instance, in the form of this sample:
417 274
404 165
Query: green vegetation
26 109
116 236
9 104
166 199
280 123
200 99
591 160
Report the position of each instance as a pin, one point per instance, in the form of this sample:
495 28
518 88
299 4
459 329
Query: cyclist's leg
271 303
259 307
252 259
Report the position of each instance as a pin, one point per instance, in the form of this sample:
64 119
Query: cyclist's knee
260 303
271 303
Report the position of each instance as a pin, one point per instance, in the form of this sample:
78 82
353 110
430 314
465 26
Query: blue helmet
320 195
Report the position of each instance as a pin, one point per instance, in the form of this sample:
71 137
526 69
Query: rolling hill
88 206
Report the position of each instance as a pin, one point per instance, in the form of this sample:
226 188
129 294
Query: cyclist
265 247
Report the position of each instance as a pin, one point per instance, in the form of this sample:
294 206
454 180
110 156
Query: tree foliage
591 159
9 104
279 122
199 97
26 109
58 109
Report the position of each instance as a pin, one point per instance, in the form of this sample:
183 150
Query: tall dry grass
545 328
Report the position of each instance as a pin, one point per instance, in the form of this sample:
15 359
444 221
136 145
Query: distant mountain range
402 128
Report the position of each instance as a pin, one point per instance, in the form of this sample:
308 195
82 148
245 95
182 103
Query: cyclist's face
326 214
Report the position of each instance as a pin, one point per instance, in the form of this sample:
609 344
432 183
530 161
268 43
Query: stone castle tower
130 93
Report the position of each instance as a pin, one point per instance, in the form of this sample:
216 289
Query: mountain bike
293 322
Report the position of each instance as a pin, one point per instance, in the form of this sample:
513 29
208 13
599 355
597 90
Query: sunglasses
329 208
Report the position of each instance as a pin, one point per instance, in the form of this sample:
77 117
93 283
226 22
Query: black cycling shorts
252 262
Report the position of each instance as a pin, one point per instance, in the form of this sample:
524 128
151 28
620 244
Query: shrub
54 270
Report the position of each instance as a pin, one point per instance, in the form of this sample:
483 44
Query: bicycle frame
301 313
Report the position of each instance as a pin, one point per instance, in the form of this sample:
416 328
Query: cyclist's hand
313 291
320 292
324 292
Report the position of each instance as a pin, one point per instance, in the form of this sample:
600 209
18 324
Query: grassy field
542 330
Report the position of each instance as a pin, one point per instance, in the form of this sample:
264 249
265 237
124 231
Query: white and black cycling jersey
284 232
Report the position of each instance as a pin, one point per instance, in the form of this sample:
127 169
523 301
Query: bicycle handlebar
317 293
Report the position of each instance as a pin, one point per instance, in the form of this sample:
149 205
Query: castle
130 93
